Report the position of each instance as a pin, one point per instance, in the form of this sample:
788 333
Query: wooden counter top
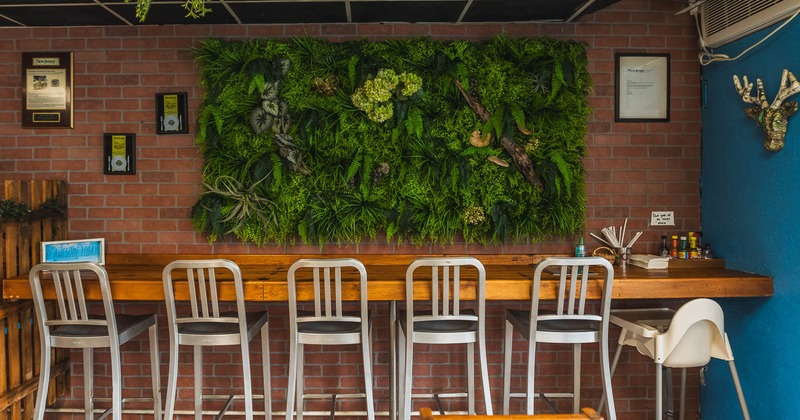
138 277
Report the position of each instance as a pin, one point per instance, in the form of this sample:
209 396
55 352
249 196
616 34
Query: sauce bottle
663 251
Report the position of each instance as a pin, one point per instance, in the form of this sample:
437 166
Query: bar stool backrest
327 287
68 280
574 275
446 288
200 281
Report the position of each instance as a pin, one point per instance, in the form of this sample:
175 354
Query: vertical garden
426 141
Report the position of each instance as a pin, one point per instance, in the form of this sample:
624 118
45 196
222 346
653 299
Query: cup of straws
615 238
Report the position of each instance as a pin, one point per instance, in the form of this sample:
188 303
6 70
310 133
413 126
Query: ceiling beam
580 10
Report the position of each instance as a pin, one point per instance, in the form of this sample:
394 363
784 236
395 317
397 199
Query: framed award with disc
171 113
119 154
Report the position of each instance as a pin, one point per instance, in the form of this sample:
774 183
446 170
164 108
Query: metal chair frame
207 326
76 328
445 322
569 324
329 324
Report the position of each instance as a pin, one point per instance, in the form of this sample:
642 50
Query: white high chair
688 337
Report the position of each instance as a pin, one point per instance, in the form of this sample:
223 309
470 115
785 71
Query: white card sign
662 218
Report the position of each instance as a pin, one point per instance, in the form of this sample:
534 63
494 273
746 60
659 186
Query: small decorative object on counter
663 251
606 253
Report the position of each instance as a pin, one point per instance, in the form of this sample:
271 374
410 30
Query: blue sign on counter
83 250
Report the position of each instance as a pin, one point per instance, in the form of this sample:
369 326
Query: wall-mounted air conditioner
724 21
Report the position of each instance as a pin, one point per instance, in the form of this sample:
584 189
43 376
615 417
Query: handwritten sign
662 218
84 250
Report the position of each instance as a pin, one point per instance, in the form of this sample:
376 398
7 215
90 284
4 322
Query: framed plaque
47 90
119 154
171 113
82 250
642 88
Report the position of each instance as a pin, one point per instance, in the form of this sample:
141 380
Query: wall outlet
662 218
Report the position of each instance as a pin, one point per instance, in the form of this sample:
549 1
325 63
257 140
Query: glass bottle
682 250
663 251
580 249
674 251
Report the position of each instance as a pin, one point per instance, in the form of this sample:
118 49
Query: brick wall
631 168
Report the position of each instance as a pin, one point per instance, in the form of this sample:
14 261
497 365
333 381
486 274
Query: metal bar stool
205 325
76 328
330 323
444 320
571 323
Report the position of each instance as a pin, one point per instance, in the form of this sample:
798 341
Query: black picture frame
47 89
642 87
119 153
172 113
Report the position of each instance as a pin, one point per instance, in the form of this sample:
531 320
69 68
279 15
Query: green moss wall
421 139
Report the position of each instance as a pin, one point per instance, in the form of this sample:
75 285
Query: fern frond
355 165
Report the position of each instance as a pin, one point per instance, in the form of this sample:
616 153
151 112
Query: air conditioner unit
724 21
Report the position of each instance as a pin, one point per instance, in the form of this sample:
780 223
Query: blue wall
750 211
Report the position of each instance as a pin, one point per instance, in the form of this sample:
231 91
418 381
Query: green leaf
414 124
256 84
355 165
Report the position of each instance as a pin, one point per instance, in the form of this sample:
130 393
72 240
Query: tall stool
203 324
330 323
441 319
571 323
75 328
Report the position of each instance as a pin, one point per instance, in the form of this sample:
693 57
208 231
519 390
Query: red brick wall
631 168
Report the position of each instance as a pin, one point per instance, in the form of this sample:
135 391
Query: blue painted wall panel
751 216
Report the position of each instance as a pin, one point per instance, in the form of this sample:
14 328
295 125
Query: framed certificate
171 113
82 250
119 153
642 87
47 90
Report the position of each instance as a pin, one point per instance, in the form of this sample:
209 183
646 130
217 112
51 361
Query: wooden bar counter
137 277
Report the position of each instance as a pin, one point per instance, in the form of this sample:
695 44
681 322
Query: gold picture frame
47 89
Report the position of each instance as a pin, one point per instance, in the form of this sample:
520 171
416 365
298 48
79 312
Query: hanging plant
194 8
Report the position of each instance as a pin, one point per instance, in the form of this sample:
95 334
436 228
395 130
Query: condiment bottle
674 251
664 250
682 251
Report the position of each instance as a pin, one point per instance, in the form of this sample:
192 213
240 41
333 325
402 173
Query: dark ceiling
22 13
